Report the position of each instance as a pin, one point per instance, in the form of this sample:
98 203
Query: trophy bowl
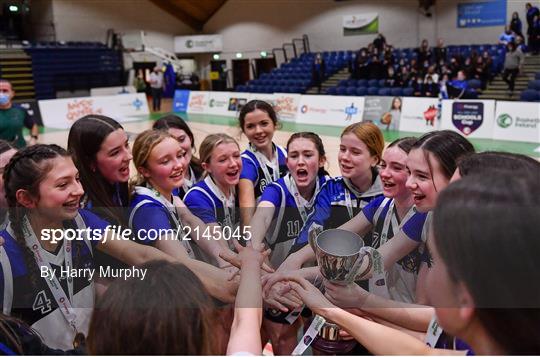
339 255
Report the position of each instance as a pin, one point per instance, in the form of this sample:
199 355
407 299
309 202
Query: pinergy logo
504 120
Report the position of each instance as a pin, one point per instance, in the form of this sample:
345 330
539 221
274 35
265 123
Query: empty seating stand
73 65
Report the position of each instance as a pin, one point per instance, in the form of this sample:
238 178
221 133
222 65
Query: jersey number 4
42 303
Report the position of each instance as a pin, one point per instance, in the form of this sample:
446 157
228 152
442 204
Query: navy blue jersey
401 278
287 220
333 207
31 299
204 201
252 170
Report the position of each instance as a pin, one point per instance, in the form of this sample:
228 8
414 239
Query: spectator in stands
457 87
507 36
424 52
513 63
317 71
431 89
443 89
418 87
392 79
454 66
535 35
379 42
480 72
440 51
431 73
468 67
376 69
532 11
488 61
515 25
156 85
520 43
13 119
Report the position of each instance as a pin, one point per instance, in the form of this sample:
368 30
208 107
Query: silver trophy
339 256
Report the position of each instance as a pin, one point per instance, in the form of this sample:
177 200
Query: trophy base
333 347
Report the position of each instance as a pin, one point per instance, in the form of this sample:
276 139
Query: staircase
331 82
498 89
16 67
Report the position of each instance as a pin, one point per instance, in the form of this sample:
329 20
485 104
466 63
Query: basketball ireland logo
504 120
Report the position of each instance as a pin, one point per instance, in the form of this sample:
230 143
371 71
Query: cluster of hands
287 288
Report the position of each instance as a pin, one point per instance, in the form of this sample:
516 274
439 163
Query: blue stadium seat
475 83
383 91
396 92
351 83
382 82
537 75
331 91
361 91
373 83
343 83
351 90
534 84
341 91
408 92
529 95
362 83
373 91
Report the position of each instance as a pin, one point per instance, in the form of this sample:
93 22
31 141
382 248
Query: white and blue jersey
206 201
288 216
337 203
401 279
26 294
151 214
261 172
193 179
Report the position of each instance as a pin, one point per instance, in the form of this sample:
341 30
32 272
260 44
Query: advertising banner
385 112
198 44
361 24
480 14
101 91
286 105
472 118
330 110
419 115
517 121
198 102
61 113
181 100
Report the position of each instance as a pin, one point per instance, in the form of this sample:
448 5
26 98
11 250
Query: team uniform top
34 302
290 214
260 171
150 213
206 201
181 191
401 278
337 202
12 121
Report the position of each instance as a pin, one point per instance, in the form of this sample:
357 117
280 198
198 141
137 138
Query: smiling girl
161 163
263 162
43 191
179 129
213 199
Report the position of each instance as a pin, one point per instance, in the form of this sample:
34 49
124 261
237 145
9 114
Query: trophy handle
365 252
313 232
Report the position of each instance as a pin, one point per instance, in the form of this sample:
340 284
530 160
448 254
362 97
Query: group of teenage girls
455 231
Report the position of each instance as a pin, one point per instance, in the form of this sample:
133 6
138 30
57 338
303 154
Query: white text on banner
472 118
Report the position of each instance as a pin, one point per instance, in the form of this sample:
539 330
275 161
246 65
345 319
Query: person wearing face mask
507 36
418 87
13 118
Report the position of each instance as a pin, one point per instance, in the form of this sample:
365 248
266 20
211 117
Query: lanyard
390 216
63 302
433 333
151 192
349 187
189 182
264 162
301 206
228 203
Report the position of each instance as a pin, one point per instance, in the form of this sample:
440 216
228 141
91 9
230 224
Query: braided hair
26 170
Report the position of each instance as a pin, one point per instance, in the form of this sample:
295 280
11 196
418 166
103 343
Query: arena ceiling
192 13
